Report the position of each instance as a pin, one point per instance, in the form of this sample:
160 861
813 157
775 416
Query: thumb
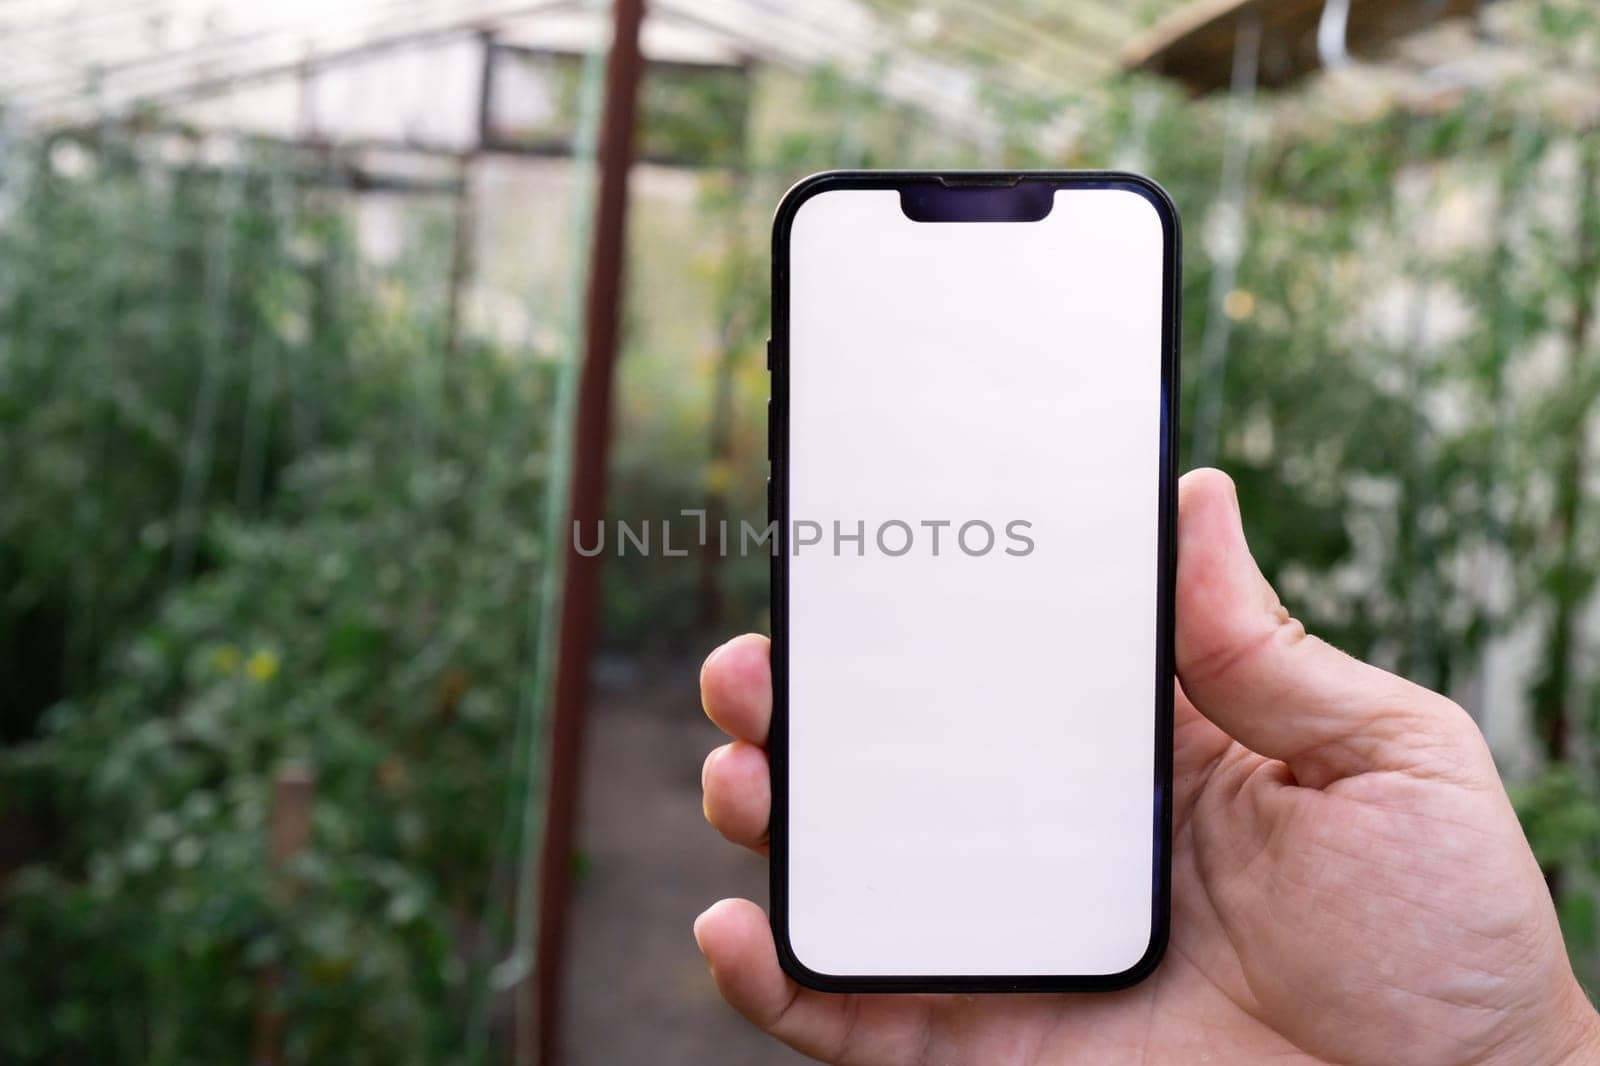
1252 669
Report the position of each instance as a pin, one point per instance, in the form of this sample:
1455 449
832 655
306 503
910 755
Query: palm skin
1350 883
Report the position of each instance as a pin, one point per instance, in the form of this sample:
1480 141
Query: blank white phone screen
972 723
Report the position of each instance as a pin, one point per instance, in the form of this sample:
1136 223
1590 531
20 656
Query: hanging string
1228 241
1504 338
1135 147
1422 599
84 599
1332 31
517 857
1421 594
201 443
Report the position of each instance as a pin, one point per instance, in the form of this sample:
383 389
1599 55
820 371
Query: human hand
1349 882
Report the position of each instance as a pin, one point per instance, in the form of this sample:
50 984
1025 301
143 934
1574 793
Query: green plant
169 339
355 602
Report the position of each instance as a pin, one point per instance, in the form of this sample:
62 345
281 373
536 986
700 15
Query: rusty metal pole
586 506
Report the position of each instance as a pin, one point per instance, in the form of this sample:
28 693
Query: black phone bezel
778 512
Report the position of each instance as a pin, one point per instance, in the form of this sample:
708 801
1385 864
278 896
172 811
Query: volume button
772 434
772 503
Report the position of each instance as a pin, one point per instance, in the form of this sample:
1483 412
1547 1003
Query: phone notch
985 198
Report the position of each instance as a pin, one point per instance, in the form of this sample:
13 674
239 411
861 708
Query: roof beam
1195 44
244 58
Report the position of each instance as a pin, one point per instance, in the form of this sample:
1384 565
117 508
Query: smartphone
974 404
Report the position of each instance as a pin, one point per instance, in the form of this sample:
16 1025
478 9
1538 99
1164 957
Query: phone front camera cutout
990 200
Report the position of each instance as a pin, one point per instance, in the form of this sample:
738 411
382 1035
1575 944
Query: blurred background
316 744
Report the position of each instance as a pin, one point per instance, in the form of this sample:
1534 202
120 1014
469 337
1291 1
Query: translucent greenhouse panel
423 94
525 252
694 114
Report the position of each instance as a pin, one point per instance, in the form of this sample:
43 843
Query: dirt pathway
638 993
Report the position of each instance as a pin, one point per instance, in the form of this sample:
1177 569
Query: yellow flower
718 476
1239 304
225 659
263 665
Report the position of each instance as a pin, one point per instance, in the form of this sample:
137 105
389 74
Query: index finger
736 687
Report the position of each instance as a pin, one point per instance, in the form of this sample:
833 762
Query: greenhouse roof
413 73
74 61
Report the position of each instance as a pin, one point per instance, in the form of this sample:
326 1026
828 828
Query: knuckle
1445 742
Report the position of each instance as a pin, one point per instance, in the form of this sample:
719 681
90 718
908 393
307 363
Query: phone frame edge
1166 562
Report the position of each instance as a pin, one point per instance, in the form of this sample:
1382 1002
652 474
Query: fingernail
718 650
697 924
705 767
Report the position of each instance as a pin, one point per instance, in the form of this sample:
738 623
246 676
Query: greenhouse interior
318 748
